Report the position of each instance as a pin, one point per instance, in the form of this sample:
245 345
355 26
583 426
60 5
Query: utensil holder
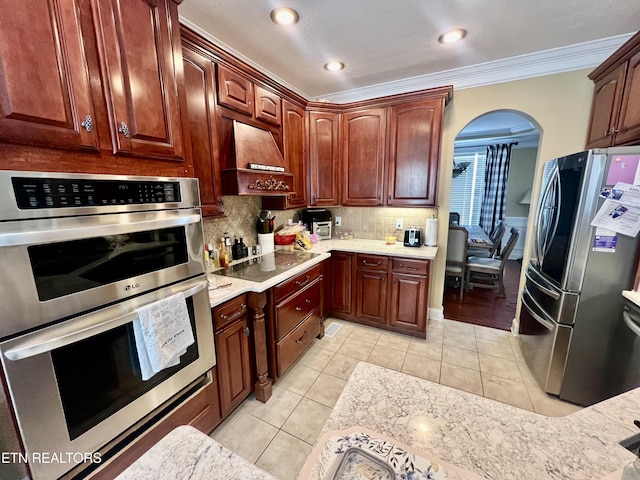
265 240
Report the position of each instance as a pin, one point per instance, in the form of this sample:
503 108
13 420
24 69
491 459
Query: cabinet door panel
199 76
295 152
235 91
408 302
605 108
340 290
44 84
629 123
268 106
324 160
234 365
371 294
414 153
137 56
363 153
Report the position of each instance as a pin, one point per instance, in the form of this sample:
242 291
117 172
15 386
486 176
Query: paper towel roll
431 233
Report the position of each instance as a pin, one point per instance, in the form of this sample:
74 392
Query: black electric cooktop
267 266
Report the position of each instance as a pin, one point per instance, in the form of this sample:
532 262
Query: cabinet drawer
229 312
295 308
417 267
294 284
375 262
290 347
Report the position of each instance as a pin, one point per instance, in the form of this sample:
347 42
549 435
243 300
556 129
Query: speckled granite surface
238 286
186 453
494 440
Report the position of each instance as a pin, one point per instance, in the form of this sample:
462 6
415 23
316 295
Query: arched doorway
484 306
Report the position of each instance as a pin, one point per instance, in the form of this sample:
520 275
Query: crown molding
547 62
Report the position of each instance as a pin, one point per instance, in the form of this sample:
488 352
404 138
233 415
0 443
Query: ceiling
393 43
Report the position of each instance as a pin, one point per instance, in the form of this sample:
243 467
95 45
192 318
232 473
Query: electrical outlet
399 224
338 221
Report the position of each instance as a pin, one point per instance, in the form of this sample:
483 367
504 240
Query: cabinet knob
389 196
246 331
614 130
298 309
307 301
383 280
124 129
395 280
87 123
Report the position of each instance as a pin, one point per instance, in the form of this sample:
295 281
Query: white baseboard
436 313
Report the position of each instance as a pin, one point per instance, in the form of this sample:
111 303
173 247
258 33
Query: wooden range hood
245 145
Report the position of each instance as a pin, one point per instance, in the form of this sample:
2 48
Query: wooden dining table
478 238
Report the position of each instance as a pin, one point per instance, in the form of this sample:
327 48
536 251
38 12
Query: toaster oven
318 221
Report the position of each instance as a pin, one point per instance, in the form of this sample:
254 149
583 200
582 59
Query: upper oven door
64 266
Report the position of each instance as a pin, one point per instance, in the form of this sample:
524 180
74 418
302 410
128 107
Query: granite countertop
239 286
491 439
188 454
632 296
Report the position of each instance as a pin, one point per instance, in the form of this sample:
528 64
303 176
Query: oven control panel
40 193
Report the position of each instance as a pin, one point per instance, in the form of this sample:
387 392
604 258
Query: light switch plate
338 221
399 224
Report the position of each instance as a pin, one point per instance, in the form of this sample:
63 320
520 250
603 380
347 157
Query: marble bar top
492 439
240 286
632 296
188 454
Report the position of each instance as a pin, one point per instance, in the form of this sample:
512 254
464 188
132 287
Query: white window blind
467 189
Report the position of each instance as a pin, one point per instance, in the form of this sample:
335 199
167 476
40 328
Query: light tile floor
279 435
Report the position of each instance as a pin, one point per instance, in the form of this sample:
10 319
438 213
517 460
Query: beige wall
558 104
521 172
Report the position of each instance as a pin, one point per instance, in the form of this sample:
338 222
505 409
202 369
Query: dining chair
457 255
454 218
496 243
489 272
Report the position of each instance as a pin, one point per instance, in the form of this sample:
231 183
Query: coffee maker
412 237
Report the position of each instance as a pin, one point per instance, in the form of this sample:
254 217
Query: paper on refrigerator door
620 212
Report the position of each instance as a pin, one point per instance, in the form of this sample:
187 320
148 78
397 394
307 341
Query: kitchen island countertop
495 440
239 286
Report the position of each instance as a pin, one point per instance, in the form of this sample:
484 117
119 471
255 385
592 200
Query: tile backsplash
240 220
378 222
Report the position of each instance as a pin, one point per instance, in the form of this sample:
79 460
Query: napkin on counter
162 332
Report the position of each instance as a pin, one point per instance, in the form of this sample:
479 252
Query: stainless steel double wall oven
79 254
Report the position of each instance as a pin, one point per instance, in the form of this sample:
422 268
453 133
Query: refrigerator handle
631 323
557 203
540 234
554 190
548 324
542 288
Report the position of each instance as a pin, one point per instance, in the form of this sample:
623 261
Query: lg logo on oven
131 287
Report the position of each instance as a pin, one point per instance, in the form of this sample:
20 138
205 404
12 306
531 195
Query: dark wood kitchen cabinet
294 141
324 158
615 111
233 353
235 91
363 157
414 136
138 55
268 106
199 79
371 288
408 296
339 283
45 94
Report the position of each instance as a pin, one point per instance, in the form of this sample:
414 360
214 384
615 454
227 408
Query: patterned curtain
495 186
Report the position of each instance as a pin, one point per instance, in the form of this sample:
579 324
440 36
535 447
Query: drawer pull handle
246 331
298 309
306 280
236 314
303 338
402 265
364 262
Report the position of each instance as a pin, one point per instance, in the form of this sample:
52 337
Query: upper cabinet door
324 158
414 153
605 108
235 91
295 152
629 123
137 58
45 96
268 106
363 150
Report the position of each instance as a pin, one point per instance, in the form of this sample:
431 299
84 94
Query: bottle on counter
223 254
236 250
244 249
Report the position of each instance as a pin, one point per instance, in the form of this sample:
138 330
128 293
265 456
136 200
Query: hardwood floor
482 306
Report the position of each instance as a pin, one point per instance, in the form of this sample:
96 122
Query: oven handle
11 239
89 325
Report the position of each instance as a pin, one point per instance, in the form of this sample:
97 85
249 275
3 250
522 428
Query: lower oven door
76 385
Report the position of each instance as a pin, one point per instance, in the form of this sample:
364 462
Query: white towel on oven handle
162 332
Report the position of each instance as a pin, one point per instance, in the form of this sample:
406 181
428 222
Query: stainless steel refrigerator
572 333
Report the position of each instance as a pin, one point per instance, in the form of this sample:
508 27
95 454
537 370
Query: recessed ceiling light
284 16
334 66
452 36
